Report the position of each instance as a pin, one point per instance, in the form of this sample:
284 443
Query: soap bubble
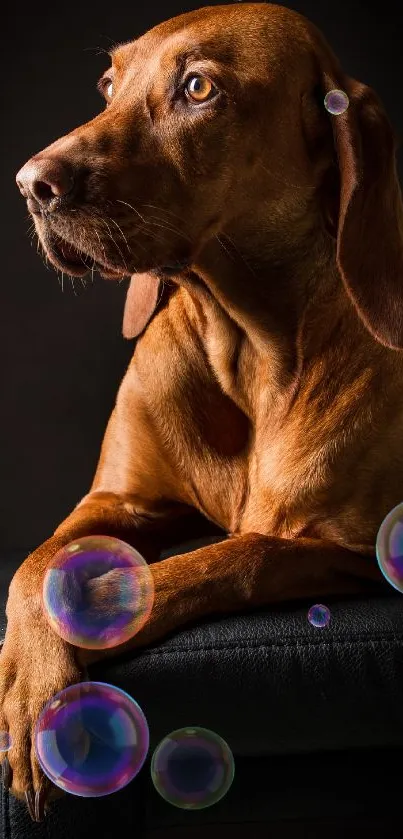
98 592
5 741
192 768
336 102
319 615
389 547
91 739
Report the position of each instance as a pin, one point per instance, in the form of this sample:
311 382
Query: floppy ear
370 223
141 301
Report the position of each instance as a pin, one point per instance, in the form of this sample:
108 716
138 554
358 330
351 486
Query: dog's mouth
76 262
71 260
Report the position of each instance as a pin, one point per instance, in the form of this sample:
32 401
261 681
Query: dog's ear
141 301
370 219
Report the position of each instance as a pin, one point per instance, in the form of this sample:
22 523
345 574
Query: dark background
61 354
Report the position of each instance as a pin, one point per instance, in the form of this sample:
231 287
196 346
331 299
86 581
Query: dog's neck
277 319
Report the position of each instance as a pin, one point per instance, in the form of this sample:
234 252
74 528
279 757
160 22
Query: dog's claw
29 799
40 801
6 774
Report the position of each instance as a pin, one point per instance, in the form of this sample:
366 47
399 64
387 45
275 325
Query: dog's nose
45 179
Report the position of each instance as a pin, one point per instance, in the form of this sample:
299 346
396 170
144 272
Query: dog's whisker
250 269
152 235
167 227
163 210
156 221
99 240
96 50
224 248
82 249
143 229
119 201
161 291
115 243
120 231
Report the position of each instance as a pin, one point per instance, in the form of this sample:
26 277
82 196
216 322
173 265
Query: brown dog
264 236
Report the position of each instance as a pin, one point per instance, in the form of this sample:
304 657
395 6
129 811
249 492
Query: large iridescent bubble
192 768
389 547
91 739
98 592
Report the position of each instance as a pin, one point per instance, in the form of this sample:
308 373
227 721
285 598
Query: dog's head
215 122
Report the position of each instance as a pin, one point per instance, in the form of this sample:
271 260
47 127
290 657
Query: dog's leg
245 572
35 663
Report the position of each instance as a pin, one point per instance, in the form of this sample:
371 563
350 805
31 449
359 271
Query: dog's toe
29 800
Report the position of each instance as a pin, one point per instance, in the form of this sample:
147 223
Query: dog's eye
105 87
199 88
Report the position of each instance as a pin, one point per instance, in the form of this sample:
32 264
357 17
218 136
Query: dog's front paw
35 664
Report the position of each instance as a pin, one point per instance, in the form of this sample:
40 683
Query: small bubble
336 102
319 615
